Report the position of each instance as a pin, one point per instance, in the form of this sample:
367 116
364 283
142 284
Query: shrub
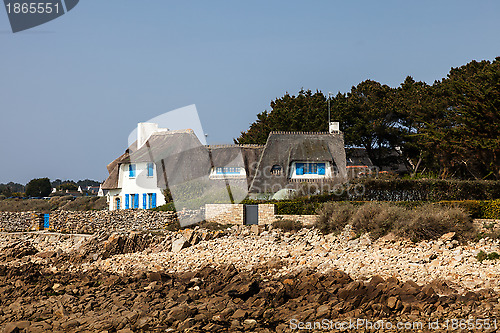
333 216
432 221
168 207
426 190
288 225
85 204
427 221
481 256
493 256
378 219
473 207
491 209
213 225
490 256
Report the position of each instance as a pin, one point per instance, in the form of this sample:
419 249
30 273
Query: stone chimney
334 127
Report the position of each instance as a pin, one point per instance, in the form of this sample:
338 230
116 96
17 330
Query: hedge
478 209
422 190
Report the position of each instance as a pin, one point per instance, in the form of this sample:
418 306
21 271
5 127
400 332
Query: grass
63 203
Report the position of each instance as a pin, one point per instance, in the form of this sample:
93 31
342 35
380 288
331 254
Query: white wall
139 184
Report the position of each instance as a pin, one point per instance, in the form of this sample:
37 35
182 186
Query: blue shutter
136 200
154 200
127 201
300 168
150 169
144 201
321 168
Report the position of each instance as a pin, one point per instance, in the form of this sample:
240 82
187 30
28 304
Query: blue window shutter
321 168
300 168
154 200
136 200
144 201
150 169
127 201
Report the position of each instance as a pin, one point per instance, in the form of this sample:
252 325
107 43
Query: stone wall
15 221
266 213
90 221
234 214
225 213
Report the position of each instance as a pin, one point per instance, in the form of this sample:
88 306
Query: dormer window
276 170
310 168
228 170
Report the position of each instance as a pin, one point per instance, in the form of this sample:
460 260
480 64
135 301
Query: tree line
450 129
42 187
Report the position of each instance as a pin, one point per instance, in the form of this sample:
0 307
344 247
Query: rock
11 328
70 324
179 244
125 330
391 302
447 237
323 311
249 324
144 323
239 314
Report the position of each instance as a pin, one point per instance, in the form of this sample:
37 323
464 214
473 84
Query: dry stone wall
224 213
89 222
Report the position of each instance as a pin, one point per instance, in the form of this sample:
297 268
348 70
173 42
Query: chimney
144 131
334 127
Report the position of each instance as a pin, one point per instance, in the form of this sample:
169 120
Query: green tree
67 186
38 187
305 112
464 131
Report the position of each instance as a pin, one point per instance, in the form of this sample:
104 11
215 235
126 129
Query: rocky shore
240 279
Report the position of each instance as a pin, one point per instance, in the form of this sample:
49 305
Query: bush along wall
423 190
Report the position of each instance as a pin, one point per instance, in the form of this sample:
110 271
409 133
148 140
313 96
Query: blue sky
73 89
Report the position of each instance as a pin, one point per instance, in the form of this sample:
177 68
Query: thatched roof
283 148
180 158
357 157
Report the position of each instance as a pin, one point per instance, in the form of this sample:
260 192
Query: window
150 169
118 203
310 168
152 200
228 170
276 170
131 170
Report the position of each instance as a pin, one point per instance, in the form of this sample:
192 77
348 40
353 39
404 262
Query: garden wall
89 221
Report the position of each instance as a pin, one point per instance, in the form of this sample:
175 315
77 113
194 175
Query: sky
73 89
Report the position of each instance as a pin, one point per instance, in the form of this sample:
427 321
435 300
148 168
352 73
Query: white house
136 178
133 180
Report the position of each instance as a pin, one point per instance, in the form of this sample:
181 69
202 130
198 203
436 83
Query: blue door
46 223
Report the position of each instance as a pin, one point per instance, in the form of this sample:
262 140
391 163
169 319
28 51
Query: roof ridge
187 130
300 133
229 145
